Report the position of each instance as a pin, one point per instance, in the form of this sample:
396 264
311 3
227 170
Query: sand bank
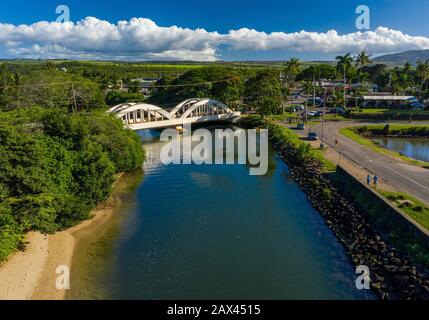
31 274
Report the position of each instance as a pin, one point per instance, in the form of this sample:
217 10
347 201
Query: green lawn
352 134
395 127
412 207
382 111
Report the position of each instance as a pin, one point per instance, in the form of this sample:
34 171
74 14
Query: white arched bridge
138 116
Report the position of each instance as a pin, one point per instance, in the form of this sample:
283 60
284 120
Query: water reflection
215 232
416 148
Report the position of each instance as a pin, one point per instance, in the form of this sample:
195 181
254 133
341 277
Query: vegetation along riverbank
56 167
365 241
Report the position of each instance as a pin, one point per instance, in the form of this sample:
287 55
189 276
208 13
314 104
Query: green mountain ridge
411 56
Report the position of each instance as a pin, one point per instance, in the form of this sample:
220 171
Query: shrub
56 166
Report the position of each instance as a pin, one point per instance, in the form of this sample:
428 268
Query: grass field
387 111
412 207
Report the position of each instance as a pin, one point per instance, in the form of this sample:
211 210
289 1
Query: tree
422 74
293 67
221 83
344 63
263 92
56 166
362 60
344 66
308 88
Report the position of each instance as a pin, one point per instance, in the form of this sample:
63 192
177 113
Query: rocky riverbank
392 276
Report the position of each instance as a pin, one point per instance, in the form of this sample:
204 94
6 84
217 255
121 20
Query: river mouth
216 232
415 148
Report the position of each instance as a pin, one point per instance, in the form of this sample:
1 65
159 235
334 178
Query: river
416 148
216 232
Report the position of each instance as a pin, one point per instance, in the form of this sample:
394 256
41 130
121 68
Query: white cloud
143 39
379 41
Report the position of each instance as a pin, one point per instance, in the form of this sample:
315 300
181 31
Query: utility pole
314 90
323 120
345 106
74 98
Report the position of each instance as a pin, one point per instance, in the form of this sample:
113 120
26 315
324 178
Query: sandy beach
31 274
19 275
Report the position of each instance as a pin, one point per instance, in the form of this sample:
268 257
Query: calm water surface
215 232
416 148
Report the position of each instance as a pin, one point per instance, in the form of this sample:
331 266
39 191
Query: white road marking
404 176
398 173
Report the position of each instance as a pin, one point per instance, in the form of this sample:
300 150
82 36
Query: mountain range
400 58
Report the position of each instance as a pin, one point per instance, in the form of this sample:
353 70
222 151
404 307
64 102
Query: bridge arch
206 107
135 113
137 116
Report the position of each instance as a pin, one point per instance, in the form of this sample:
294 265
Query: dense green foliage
394 130
304 151
56 166
48 88
264 93
117 97
220 83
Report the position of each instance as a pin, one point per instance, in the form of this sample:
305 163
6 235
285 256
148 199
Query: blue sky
409 17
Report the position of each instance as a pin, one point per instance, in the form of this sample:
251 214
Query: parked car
311 114
312 136
318 102
300 126
416 105
340 110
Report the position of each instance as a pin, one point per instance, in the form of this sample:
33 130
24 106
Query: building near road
145 85
384 99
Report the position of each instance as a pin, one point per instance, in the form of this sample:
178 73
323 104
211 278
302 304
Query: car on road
312 136
416 105
300 126
340 110
311 114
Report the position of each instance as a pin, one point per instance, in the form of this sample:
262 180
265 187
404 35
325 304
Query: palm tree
308 87
422 73
344 64
293 66
362 59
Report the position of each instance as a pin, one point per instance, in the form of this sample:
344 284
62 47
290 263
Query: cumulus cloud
379 41
143 39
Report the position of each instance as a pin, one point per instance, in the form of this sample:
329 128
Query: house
145 84
387 100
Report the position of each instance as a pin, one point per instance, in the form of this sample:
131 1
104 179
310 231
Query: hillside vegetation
59 151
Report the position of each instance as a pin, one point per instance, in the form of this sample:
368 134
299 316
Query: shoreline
31 274
393 277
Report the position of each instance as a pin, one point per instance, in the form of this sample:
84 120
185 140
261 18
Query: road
401 175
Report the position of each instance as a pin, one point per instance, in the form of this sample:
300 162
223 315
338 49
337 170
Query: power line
99 82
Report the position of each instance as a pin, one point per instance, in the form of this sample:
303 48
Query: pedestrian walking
375 180
368 179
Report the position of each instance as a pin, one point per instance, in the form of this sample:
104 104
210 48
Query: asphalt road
395 172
